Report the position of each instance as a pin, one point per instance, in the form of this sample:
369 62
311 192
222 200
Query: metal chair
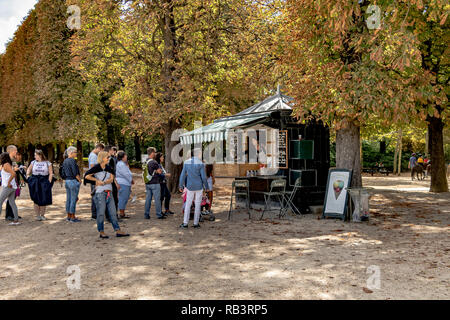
277 190
242 184
289 197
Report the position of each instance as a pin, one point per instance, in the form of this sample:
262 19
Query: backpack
62 173
145 175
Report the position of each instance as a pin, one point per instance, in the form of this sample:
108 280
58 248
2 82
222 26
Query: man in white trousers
193 177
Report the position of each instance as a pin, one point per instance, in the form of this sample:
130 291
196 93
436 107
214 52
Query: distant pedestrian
420 161
412 161
124 178
193 177
70 172
211 181
112 152
92 161
40 183
165 192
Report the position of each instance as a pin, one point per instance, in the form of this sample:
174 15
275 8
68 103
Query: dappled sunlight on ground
294 258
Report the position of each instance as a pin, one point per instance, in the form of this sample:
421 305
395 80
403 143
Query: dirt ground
407 238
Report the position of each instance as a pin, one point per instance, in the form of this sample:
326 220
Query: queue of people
111 181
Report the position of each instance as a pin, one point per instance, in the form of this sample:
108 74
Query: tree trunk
383 146
30 153
436 147
398 153
80 156
168 29
58 152
50 150
172 168
400 147
347 150
60 149
137 147
121 141
361 157
395 157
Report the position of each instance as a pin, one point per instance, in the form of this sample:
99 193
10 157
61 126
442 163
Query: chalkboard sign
283 149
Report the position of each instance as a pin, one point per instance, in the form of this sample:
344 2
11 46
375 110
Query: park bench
369 170
384 171
373 170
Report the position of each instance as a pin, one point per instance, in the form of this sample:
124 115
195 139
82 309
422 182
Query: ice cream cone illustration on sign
338 185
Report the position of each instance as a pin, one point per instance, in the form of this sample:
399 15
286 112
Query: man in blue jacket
193 177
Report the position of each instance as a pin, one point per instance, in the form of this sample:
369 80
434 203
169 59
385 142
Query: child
211 181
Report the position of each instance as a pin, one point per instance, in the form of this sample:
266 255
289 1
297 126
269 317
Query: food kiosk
298 150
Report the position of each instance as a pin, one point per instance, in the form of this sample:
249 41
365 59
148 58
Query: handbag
93 190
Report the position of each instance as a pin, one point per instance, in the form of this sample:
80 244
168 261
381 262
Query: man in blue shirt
412 161
92 161
193 178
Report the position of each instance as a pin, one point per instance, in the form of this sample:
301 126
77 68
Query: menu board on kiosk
283 149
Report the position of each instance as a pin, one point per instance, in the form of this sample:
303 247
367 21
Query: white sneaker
15 223
43 218
38 218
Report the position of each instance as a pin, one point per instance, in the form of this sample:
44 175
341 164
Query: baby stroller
205 208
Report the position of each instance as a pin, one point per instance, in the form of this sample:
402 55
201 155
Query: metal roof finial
278 89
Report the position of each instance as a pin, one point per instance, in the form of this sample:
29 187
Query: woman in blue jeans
71 173
103 176
124 178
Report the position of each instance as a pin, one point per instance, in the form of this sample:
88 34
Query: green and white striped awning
218 130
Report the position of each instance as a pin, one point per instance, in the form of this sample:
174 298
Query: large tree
43 98
179 61
422 26
349 73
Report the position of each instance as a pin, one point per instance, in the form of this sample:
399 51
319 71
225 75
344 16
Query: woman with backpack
40 183
150 175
